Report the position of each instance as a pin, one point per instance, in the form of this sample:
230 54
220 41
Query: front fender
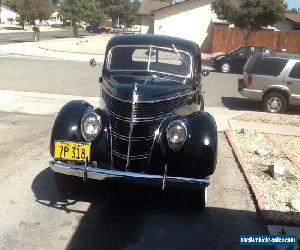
198 156
67 127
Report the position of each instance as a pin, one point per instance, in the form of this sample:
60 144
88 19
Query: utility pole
0 9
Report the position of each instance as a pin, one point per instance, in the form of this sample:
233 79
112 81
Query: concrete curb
287 155
80 53
257 198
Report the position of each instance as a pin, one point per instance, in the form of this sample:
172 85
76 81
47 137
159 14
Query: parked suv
236 59
272 79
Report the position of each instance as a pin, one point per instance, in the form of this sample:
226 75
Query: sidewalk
32 49
49 104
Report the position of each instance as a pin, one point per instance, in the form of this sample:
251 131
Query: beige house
190 19
7 13
145 14
290 23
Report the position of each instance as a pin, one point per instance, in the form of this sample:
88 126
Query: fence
226 39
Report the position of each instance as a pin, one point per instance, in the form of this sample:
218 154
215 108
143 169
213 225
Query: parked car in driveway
97 29
272 79
235 60
153 129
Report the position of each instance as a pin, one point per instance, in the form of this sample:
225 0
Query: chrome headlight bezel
182 126
97 119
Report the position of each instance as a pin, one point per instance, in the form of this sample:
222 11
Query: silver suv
272 79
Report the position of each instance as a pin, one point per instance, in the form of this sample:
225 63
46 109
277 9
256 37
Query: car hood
146 93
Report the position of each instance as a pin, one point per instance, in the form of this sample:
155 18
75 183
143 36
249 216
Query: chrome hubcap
274 104
225 67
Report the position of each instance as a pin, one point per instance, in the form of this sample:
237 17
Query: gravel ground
290 144
283 119
275 192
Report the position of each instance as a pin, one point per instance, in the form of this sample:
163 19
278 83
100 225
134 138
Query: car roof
155 40
286 56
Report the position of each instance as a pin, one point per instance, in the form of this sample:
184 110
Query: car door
292 81
239 59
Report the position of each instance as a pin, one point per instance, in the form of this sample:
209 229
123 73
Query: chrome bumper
90 172
251 94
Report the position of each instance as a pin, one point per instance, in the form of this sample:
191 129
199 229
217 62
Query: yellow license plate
72 151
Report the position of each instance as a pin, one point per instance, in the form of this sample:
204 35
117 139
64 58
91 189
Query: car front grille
147 118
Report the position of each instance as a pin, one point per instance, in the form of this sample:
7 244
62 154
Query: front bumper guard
90 172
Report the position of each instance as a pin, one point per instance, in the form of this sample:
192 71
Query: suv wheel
67 185
275 103
225 67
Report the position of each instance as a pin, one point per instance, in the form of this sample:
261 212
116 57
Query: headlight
90 126
176 134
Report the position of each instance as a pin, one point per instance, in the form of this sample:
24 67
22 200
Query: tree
124 10
78 10
294 11
30 10
251 16
94 14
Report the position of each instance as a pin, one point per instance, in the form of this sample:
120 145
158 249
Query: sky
293 3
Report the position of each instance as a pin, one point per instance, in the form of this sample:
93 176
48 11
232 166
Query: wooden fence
225 39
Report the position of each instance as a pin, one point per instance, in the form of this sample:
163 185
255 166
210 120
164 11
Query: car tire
275 103
68 186
225 67
198 198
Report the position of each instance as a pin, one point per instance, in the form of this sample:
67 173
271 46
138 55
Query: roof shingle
147 6
293 17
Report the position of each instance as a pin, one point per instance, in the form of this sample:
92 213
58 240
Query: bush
57 25
67 23
10 20
20 20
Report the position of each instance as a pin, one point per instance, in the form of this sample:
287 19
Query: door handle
289 83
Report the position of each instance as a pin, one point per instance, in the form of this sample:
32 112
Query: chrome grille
147 118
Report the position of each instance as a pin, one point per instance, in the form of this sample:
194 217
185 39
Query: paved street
68 78
20 37
105 215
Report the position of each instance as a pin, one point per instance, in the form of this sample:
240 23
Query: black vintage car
153 129
235 60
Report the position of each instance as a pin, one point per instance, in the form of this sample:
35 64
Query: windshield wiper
178 54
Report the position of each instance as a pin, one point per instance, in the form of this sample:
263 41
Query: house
190 19
144 12
6 13
290 23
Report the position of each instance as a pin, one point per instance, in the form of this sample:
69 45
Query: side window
269 66
140 55
295 72
242 52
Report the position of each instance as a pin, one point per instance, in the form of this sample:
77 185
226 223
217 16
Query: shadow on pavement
236 103
11 28
137 217
243 104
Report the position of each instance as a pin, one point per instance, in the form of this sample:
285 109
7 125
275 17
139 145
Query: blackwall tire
68 186
275 103
198 198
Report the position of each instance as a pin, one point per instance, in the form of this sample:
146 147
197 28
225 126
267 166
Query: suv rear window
295 72
269 66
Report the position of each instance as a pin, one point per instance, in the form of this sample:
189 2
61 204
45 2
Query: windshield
170 61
